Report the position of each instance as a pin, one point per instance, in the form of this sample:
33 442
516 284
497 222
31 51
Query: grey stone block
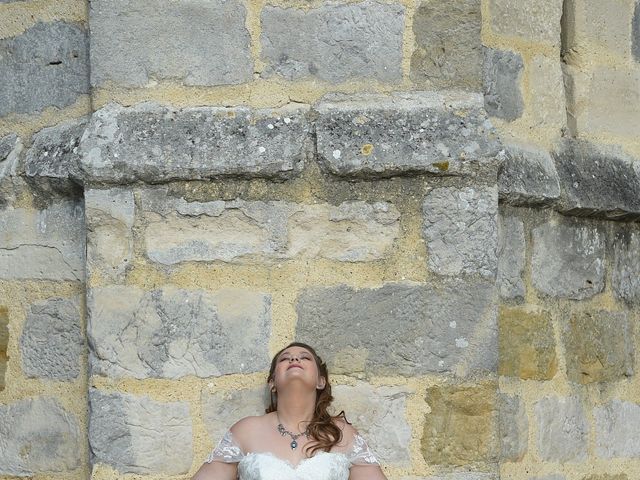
502 70
38 436
625 278
635 38
447 326
429 132
460 228
553 476
617 424
134 434
528 177
568 260
563 430
597 181
511 257
46 66
10 153
171 333
534 21
448 51
198 42
51 341
513 428
334 42
458 476
152 143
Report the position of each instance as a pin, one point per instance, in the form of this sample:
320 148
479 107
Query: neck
295 410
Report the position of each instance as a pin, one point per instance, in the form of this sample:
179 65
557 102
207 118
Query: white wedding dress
266 466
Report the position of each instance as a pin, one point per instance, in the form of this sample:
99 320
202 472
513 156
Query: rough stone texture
606 476
153 143
198 42
51 341
537 20
553 476
635 35
435 327
502 70
617 424
528 177
625 278
4 344
513 428
457 476
460 228
548 109
462 425
170 333
511 258
527 346
448 50
109 216
10 150
562 429
44 67
334 42
38 435
442 133
44 245
597 181
599 347
135 434
568 260
379 415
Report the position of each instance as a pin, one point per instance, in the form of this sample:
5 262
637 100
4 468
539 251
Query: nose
291 359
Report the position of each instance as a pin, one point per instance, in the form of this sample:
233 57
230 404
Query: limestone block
52 342
42 244
457 476
626 265
527 347
153 143
135 434
599 347
334 42
4 344
563 430
511 257
606 476
460 228
513 427
617 425
38 436
438 327
462 425
568 260
197 42
536 21
171 332
635 35
553 476
548 101
46 66
448 51
378 413
10 153
441 133
502 71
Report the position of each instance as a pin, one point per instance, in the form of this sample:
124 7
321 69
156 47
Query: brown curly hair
322 428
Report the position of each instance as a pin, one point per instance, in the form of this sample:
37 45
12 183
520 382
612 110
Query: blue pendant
294 445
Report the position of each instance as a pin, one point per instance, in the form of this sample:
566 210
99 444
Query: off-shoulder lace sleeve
360 453
227 450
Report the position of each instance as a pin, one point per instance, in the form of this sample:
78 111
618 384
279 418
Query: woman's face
295 364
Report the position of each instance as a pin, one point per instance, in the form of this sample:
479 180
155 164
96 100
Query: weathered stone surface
548 109
563 430
513 428
635 35
597 181
528 177
10 149
462 425
170 333
135 434
538 20
51 341
448 50
198 42
458 476
109 216
44 67
568 260
511 257
617 424
606 476
38 435
334 42
4 344
625 278
599 347
439 327
379 415
460 228
502 70
527 346
46 244
553 476
152 143
442 133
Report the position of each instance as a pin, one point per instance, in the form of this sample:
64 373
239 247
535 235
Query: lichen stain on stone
367 149
231 113
442 166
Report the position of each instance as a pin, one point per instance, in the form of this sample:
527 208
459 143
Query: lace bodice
266 466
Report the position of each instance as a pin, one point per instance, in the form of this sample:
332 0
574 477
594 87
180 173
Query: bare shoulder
348 431
246 428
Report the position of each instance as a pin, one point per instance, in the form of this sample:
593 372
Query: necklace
294 436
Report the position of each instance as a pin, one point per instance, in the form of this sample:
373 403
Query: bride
297 439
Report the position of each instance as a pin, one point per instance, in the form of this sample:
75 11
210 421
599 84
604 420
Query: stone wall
441 196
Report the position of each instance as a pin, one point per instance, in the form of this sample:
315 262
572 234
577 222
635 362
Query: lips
294 366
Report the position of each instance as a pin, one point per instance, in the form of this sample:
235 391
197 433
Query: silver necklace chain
294 436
